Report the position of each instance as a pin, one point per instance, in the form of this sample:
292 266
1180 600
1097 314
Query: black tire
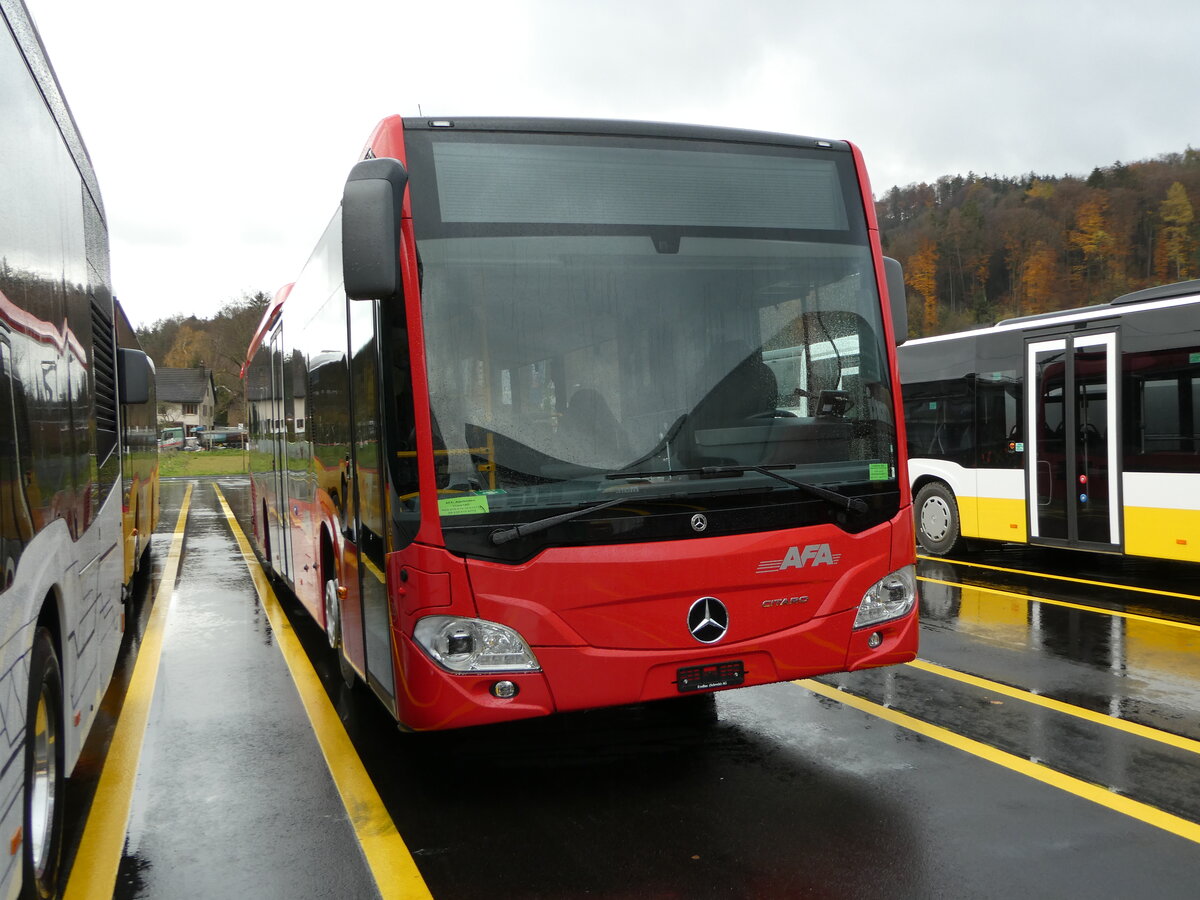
936 513
143 551
41 850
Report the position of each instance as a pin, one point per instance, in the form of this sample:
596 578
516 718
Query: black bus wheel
42 847
936 513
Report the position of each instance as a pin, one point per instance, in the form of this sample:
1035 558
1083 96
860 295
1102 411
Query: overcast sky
222 132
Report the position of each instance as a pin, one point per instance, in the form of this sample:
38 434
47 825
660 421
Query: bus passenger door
370 514
278 523
1072 428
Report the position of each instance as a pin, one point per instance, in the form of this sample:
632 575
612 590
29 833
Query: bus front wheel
42 850
936 512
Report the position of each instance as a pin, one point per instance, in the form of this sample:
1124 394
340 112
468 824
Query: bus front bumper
582 677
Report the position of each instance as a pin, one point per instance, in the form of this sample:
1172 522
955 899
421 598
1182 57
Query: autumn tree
921 275
1041 279
1040 190
1176 251
1091 238
1020 231
189 347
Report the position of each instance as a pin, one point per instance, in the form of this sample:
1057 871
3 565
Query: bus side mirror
135 374
894 273
372 204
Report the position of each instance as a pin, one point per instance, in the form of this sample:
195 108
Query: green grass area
201 462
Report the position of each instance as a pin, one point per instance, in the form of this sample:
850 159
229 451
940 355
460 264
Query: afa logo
812 555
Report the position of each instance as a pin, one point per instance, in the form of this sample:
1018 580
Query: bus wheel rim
333 629
935 518
42 783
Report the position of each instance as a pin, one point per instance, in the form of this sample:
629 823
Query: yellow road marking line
1109 584
396 874
1120 614
1093 792
94 872
373 569
1079 712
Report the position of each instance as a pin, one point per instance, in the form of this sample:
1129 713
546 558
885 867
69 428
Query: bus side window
405 512
998 424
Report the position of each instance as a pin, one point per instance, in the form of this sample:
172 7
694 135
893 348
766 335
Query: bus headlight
474 645
888 598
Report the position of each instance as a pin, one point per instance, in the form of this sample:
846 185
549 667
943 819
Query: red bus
567 414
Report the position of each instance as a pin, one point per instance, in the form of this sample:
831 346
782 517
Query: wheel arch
921 480
328 557
50 617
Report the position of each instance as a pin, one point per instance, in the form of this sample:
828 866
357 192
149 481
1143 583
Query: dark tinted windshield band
463 179
564 183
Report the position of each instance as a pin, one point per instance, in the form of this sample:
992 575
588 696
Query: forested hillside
218 343
979 248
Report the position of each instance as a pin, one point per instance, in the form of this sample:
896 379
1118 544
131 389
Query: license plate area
712 675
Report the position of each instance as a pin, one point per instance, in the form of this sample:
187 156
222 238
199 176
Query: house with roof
186 397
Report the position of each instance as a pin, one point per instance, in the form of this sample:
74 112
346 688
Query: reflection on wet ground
1157 588
1080 636
1138 660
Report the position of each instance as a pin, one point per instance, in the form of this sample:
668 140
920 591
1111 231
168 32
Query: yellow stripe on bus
993 518
94 872
1095 793
1163 533
392 866
1120 614
1152 532
995 687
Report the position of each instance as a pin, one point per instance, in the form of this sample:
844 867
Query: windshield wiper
850 504
504 535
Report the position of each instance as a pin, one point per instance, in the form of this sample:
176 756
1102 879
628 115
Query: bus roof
1166 295
615 127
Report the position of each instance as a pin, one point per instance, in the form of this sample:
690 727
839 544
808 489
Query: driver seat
745 390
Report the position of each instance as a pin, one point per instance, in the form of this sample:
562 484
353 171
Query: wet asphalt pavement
1072 769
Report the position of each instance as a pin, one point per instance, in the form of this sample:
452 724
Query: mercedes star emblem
708 620
699 522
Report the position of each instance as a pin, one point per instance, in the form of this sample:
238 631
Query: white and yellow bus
1075 429
71 395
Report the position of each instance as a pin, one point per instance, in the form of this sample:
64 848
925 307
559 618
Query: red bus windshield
649 323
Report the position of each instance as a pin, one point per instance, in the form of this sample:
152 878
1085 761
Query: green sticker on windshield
467 505
879 472
1194 357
